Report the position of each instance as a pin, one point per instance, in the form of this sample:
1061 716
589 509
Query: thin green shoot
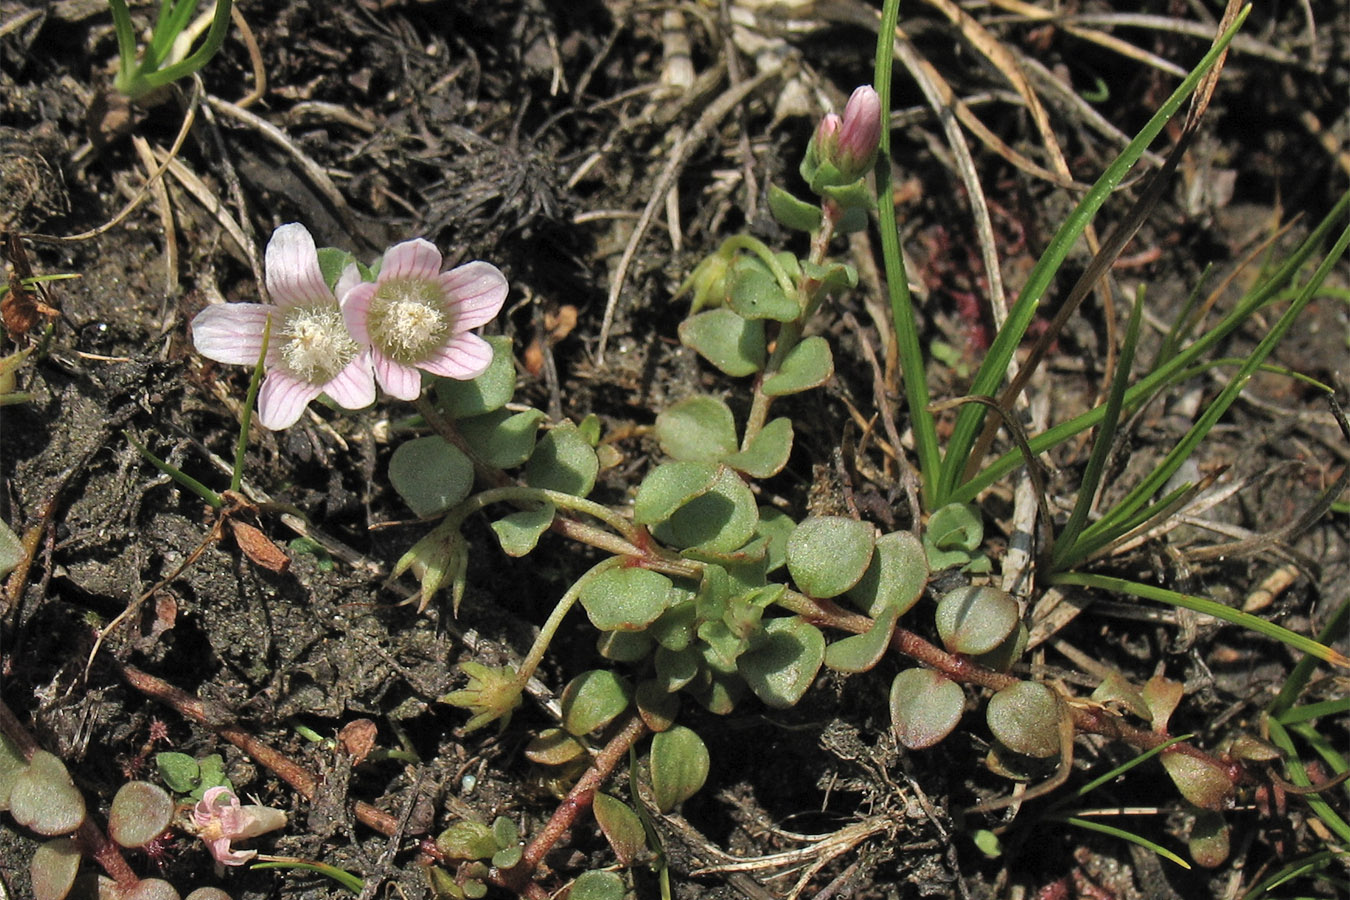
1127 766
909 350
137 79
1106 435
1185 322
995 365
1310 711
1312 865
348 880
1165 374
1208 607
1103 828
211 498
255 382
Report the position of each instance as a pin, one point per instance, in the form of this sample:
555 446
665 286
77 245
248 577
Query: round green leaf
675 629
467 840
554 747
827 555
925 707
489 391
670 486
679 766
863 651
768 453
621 827
895 578
594 699
624 646
1200 781
776 526
807 365
140 812
1209 839
53 868
719 520
597 885
430 475
519 532
502 438
12 762
781 668
563 461
974 620
180 772
698 428
625 599
44 798
791 212
676 668
728 341
657 706
956 526
755 294
505 833
1025 718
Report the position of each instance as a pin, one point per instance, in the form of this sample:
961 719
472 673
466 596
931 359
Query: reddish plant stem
281 765
89 835
578 801
1088 719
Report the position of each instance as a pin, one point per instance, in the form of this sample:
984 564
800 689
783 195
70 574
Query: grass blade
995 363
1208 607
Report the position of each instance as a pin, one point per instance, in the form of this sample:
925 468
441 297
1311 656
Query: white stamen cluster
408 319
314 343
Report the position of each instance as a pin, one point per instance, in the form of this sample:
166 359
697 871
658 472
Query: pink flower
309 351
414 316
220 819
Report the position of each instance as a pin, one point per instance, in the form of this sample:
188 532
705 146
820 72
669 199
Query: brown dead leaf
357 739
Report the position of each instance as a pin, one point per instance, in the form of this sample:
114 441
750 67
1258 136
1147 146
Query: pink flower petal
476 292
354 386
356 310
231 332
351 277
417 258
292 263
282 399
398 380
462 357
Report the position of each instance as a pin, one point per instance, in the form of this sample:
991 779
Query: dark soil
532 134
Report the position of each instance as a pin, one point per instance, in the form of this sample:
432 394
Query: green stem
255 382
809 297
555 618
211 497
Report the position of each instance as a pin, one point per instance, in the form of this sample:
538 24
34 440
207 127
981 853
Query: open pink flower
220 819
414 316
309 351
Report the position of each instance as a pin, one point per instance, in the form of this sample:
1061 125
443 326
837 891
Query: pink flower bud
860 133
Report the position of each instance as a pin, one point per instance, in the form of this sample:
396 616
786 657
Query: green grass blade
347 879
1130 836
1297 774
1308 865
1128 765
1138 496
897 280
1164 374
1106 435
1208 607
995 364
1302 672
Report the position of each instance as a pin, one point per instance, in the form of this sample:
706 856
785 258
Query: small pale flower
220 819
414 316
309 350
491 694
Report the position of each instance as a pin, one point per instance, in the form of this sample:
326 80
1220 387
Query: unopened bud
860 133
